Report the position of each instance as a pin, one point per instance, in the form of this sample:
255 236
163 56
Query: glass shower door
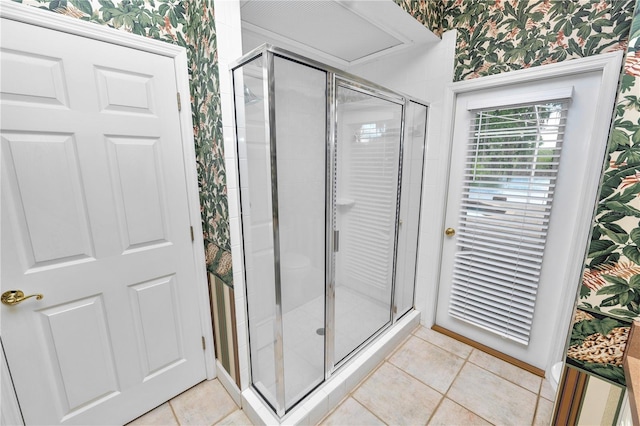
367 154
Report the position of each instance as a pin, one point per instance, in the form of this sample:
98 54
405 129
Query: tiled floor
430 379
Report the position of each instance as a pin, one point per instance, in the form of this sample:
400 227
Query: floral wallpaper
189 24
427 12
597 344
611 280
496 36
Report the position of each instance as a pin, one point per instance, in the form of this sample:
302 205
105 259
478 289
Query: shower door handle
336 241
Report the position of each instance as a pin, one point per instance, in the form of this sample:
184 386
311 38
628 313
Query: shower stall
330 170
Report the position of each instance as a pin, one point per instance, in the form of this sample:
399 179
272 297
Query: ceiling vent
346 32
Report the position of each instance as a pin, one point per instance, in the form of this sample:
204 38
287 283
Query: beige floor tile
492 398
449 413
161 416
547 391
428 363
543 413
507 371
396 397
351 412
237 418
445 342
203 404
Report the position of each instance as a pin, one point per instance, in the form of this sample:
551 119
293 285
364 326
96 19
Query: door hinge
204 345
179 103
395 309
193 238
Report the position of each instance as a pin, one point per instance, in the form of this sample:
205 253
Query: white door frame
610 65
54 21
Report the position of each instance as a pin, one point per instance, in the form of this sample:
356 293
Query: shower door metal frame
335 77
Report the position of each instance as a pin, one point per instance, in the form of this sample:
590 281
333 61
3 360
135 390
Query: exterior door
95 218
516 202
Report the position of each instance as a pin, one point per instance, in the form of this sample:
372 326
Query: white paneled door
95 218
525 160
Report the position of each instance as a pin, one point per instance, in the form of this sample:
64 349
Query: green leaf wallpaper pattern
496 36
189 24
611 279
597 345
427 12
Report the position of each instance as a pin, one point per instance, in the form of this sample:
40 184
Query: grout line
435 410
446 394
398 347
372 413
175 416
222 419
365 378
540 387
445 349
426 384
454 380
506 378
535 412
350 394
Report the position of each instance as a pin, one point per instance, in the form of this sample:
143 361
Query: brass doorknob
449 232
13 297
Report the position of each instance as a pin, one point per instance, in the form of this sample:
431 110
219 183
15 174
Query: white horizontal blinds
510 172
372 182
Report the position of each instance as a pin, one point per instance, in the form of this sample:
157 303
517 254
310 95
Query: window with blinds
510 174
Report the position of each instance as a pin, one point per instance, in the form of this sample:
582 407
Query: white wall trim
227 382
55 21
607 62
610 65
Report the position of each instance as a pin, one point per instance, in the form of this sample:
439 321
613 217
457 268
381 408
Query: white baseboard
228 383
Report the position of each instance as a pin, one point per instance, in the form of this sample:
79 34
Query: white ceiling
345 32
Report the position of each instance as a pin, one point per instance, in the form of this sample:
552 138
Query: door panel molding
609 66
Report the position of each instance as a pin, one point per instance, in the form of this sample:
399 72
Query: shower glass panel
254 155
300 126
415 131
282 143
368 139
